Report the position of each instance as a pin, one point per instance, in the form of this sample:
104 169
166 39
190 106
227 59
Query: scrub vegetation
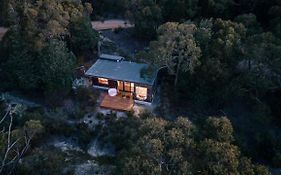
219 88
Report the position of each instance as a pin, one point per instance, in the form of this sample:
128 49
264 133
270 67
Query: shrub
85 134
58 127
85 95
118 30
51 161
34 129
78 114
31 115
130 113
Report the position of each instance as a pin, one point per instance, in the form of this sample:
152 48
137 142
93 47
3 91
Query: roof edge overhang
148 84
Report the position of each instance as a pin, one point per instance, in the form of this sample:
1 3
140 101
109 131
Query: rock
90 167
64 144
96 150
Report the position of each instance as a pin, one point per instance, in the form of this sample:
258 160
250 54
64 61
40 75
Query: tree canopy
42 37
157 146
176 49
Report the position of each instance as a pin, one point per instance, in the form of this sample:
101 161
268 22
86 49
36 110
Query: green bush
34 130
130 113
87 100
78 114
58 125
43 162
118 30
276 160
85 135
31 115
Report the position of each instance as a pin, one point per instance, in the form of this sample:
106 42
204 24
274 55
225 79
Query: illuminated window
120 85
132 87
103 81
127 86
141 93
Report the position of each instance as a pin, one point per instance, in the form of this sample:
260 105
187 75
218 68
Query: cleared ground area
97 25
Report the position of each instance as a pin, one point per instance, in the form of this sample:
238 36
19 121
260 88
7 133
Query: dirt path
111 24
12 98
97 25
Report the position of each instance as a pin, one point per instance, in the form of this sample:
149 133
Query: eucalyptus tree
250 22
220 42
176 48
178 10
217 8
262 64
56 67
48 27
146 15
180 147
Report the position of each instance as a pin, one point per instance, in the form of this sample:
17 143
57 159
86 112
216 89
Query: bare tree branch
8 143
8 112
12 147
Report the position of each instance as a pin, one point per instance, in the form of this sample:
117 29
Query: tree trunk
177 75
99 48
249 64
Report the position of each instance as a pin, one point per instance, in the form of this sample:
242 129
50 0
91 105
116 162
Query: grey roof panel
123 70
111 57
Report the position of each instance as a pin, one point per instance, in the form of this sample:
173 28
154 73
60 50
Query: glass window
132 87
103 81
120 85
127 86
141 93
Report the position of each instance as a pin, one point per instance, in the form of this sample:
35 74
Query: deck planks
118 103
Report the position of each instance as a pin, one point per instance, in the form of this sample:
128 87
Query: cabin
133 80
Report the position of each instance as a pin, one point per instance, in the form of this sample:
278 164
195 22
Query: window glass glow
103 81
120 85
132 87
127 86
141 93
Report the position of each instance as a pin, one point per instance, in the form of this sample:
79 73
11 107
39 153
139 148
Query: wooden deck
118 103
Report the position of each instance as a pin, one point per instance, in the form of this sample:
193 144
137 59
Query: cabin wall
113 84
149 93
95 81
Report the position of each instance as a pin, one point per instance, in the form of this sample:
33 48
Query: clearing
111 24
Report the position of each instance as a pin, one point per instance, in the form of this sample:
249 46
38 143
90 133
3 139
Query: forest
219 109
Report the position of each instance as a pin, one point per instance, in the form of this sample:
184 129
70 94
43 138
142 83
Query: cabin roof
111 57
122 70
